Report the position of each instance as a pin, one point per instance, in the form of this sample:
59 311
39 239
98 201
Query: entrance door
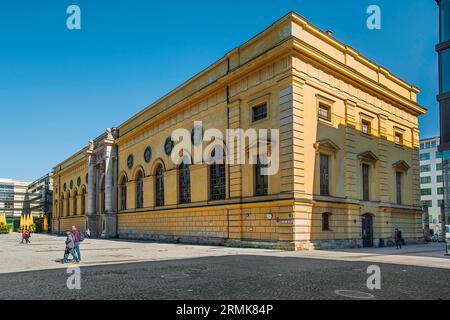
367 231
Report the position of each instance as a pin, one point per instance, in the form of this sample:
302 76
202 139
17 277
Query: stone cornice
360 79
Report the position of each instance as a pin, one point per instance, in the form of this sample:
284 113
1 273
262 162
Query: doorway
367 230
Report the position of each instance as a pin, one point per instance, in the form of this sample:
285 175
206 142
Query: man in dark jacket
398 238
70 247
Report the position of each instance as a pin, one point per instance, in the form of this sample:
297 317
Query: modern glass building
12 196
38 202
443 49
431 180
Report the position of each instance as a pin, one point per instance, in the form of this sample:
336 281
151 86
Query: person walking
78 238
24 235
398 238
70 245
27 236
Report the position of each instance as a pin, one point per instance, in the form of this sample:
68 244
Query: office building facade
432 180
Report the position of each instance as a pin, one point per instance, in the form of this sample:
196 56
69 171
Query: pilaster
351 164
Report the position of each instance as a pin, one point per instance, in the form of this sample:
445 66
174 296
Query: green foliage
32 228
4 228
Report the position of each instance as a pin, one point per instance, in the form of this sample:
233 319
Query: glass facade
445 20
446 173
445 70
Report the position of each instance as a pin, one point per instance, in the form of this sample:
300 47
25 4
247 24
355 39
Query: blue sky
60 88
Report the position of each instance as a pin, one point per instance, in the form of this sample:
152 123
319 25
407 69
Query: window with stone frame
259 112
326 221
366 181
324 174
398 186
184 183
75 203
83 201
398 138
217 182
123 194
68 206
261 180
140 190
159 186
324 111
366 127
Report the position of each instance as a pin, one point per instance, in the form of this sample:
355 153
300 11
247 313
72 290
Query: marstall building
348 149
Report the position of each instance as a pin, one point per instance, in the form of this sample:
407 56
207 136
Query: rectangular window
440 203
398 184
425 168
324 175
398 139
425 180
444 74
325 222
438 155
424 156
365 179
439 179
440 191
366 127
261 181
324 111
427 203
217 181
425 192
433 144
439 166
445 20
422 146
259 112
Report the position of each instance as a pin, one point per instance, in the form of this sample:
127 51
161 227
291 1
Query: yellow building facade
348 154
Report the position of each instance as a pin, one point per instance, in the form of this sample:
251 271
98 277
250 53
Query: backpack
82 237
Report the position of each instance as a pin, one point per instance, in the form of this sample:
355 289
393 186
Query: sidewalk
45 251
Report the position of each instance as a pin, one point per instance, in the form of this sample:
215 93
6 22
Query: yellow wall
279 67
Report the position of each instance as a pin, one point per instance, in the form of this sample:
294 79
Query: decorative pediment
401 166
368 156
326 145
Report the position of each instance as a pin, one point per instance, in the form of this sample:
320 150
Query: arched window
83 201
61 206
75 202
184 179
68 206
159 186
140 190
123 193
